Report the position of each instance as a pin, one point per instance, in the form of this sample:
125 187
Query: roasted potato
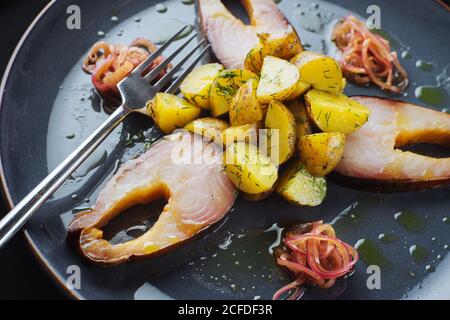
281 119
248 169
171 112
321 152
210 128
195 88
245 107
278 81
335 113
225 87
254 59
299 187
300 89
298 110
322 72
246 133
258 196
284 47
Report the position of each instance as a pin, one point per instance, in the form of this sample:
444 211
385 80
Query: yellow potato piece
322 72
284 47
258 196
248 169
171 112
245 107
344 83
321 152
298 110
246 133
299 187
209 128
300 89
278 80
225 87
195 88
335 113
254 59
280 119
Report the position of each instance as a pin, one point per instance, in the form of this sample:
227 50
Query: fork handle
22 211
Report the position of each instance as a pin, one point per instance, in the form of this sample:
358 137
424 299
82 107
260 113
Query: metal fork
135 91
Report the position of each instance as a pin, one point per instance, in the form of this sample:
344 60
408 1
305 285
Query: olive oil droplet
408 220
431 94
418 253
424 66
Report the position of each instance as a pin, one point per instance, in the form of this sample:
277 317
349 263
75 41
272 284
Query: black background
21 275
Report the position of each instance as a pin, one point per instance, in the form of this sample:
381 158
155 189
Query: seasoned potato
246 133
278 80
254 59
258 196
224 88
248 169
281 119
195 88
344 83
320 71
210 128
335 113
321 152
300 89
171 112
284 47
245 107
298 110
301 188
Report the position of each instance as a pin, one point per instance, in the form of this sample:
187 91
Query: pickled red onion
110 63
313 254
367 57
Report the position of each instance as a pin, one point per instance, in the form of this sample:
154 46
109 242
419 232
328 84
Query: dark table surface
21 275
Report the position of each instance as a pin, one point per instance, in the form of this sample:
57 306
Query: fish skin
371 152
198 195
230 38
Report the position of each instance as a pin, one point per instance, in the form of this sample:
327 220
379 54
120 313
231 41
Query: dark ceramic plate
48 106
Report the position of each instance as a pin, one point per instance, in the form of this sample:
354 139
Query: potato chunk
209 128
171 112
278 80
320 71
298 110
246 133
300 89
335 113
248 169
195 88
245 107
284 47
258 196
225 87
321 152
301 188
281 119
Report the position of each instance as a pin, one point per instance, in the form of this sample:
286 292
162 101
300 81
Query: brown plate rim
3 185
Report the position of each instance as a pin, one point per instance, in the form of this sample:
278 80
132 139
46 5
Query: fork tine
157 70
174 86
164 80
146 63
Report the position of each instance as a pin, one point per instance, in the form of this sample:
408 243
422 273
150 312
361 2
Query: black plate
47 98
